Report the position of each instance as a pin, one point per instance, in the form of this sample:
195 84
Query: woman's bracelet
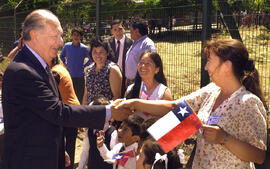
226 138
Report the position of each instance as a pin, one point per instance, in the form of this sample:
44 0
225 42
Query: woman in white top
150 82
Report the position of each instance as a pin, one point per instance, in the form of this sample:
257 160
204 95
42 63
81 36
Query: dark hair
141 25
116 21
55 61
243 67
151 147
101 101
134 123
97 42
35 20
144 135
56 77
78 30
145 125
159 77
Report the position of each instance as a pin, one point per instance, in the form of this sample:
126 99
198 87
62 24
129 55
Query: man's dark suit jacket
35 116
128 42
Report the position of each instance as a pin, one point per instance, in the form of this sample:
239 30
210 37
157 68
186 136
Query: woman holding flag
231 109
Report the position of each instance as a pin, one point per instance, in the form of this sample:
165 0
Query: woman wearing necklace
150 82
231 109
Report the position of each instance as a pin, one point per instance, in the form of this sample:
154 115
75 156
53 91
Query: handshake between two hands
122 108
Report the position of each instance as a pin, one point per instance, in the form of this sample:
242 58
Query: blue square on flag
175 127
118 156
182 111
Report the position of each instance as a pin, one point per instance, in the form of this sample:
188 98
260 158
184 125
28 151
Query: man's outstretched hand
120 113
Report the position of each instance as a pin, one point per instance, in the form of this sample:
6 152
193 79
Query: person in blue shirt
138 33
73 56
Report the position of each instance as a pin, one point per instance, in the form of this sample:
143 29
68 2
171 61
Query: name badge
213 120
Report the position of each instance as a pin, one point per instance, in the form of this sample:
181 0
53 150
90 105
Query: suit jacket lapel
125 47
112 41
40 69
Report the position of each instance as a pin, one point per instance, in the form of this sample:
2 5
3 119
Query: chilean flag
143 95
175 127
122 158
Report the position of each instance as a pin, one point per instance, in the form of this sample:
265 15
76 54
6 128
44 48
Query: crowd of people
123 92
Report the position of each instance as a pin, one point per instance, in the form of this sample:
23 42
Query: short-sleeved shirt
73 57
242 115
134 53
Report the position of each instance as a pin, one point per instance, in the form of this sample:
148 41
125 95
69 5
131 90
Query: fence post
206 35
98 18
15 20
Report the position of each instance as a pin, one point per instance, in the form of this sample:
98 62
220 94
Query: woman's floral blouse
242 115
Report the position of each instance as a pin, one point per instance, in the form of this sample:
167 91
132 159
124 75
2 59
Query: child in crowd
73 56
90 155
152 156
144 136
128 137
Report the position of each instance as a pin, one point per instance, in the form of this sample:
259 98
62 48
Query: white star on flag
118 156
183 111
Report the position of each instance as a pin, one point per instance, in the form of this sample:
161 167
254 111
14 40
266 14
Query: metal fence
176 31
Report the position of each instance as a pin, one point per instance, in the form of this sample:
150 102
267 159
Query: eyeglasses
99 53
147 64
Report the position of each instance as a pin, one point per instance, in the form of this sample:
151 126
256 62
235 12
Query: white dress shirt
121 50
107 155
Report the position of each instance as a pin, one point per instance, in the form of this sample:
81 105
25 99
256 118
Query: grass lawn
182 61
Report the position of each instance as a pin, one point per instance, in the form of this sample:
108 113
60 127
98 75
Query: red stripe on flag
127 155
180 133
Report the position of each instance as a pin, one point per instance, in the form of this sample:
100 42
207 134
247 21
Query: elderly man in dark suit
33 110
120 44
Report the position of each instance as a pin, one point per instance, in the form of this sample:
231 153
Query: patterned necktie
117 50
48 70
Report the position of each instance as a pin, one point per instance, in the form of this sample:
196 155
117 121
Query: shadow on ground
178 36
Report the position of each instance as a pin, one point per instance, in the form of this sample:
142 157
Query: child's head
144 135
76 34
145 125
147 155
129 131
101 101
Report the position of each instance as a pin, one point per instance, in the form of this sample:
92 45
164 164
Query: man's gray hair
35 20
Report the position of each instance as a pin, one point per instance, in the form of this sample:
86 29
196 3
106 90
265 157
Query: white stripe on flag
163 125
